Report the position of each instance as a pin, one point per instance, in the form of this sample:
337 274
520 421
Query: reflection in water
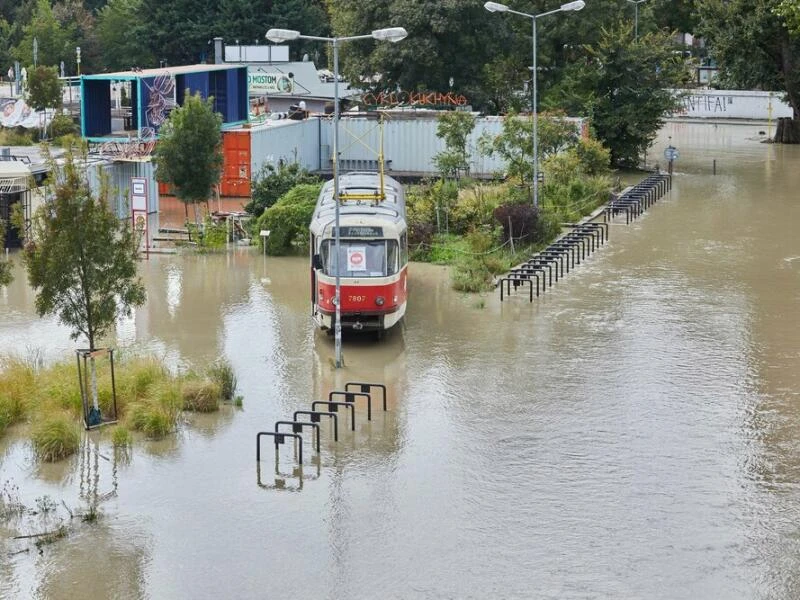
633 433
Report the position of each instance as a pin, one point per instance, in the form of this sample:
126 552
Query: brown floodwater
634 433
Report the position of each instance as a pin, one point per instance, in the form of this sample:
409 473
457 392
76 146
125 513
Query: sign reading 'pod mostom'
258 81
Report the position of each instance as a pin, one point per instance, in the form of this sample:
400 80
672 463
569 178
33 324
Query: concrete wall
733 104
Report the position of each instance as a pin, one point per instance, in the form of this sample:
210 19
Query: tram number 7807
357 298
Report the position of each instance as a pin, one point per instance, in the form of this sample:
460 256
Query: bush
270 184
518 221
288 220
221 372
157 414
594 158
61 125
201 396
55 437
18 136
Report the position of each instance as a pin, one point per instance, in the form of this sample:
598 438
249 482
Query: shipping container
235 180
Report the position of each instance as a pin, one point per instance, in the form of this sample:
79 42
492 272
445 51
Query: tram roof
393 206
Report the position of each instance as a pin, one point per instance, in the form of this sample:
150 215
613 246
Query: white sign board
357 258
139 194
260 81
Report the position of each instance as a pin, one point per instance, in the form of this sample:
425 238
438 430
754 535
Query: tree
121 43
624 86
55 41
756 44
454 128
515 144
189 151
44 88
81 259
178 31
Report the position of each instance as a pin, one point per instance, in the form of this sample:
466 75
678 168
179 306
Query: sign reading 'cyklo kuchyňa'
258 81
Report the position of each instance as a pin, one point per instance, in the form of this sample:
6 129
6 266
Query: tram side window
403 248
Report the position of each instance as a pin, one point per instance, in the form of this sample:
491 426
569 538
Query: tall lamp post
391 34
569 6
636 4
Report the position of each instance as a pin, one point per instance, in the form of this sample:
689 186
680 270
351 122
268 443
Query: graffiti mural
415 99
161 102
131 148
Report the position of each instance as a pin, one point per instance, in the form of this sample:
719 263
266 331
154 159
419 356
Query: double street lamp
569 6
390 34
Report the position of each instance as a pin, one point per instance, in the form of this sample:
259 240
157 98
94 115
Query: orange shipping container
236 164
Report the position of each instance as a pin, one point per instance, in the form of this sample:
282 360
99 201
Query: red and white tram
373 253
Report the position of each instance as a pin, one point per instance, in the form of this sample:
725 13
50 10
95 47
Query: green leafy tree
80 257
189 151
75 16
271 183
624 86
454 128
756 44
515 143
121 43
178 31
55 40
44 88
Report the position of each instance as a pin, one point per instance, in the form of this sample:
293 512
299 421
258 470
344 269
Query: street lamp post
391 34
569 6
636 4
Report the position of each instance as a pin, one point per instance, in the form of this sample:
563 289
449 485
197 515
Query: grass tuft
121 437
201 396
55 437
221 372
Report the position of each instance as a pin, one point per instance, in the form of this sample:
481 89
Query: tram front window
361 258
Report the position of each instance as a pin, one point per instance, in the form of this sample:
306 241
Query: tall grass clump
17 380
201 396
55 437
157 415
121 437
221 372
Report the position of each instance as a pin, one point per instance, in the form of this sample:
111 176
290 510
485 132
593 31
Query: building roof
163 71
307 83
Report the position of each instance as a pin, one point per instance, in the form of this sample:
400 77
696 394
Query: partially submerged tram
373 253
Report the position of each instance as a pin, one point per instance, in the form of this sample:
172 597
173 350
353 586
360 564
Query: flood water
634 433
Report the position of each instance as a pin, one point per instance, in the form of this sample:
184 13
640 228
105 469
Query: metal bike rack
334 407
366 388
297 427
280 438
350 398
315 415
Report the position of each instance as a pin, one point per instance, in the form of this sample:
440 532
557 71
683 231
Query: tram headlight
379 300
334 301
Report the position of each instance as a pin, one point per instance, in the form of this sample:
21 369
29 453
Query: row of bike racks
346 400
637 199
549 265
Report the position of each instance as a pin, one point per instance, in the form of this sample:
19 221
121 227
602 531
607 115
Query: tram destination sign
360 231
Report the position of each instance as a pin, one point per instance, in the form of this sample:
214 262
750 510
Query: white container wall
286 141
119 178
732 104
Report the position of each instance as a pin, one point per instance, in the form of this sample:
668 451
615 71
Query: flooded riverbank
633 433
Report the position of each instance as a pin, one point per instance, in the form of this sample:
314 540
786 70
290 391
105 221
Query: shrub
55 437
593 156
61 125
288 219
270 184
201 396
18 136
518 221
222 373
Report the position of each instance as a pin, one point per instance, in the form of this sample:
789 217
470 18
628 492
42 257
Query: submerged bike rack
575 246
353 390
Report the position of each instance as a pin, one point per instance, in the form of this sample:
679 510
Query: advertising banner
15 112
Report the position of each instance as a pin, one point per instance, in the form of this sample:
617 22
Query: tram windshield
361 258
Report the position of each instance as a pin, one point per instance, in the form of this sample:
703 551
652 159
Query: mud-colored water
635 433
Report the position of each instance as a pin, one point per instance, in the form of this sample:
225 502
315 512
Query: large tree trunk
787 131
